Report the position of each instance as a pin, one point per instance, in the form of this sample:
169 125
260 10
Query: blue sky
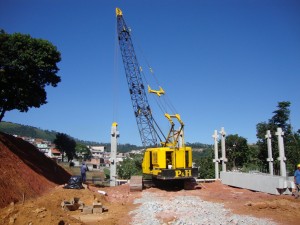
223 63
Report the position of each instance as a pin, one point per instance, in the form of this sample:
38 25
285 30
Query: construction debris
102 192
136 183
74 204
97 207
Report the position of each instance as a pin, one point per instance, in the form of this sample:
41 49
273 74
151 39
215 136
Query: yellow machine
172 161
167 160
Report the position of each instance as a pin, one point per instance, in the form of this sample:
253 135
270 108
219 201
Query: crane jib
141 107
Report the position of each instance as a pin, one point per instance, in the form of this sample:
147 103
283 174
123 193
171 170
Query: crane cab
167 163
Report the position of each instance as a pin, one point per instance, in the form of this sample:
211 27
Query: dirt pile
25 172
47 209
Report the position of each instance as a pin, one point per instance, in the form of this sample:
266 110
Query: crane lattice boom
139 100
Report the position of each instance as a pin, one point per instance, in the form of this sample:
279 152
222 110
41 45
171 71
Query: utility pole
113 153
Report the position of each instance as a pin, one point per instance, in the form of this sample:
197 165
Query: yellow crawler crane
167 161
173 161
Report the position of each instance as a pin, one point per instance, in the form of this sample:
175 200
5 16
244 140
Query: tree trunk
2 114
62 156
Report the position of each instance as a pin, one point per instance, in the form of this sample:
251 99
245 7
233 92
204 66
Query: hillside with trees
34 132
27 131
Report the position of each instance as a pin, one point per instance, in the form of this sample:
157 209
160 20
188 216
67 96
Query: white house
97 151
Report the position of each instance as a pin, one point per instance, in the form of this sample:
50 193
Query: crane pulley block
159 92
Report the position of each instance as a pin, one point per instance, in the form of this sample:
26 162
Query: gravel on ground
158 209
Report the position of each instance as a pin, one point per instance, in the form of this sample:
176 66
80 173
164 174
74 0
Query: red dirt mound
25 172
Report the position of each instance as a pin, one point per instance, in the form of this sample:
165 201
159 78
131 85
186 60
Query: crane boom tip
118 12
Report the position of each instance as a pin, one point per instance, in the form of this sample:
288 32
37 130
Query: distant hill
28 131
34 132
199 146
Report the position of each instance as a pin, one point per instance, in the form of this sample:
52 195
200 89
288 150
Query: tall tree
27 66
281 118
66 145
237 151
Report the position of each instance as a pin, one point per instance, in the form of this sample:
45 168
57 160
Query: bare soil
44 194
25 172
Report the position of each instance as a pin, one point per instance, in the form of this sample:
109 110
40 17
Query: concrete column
113 154
216 160
224 159
269 159
180 140
281 157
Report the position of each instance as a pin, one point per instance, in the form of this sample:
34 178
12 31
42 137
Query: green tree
27 66
83 150
130 166
66 145
280 119
237 151
253 162
204 162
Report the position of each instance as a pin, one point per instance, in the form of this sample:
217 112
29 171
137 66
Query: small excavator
167 162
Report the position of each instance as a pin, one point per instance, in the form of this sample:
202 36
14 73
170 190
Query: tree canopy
66 145
204 162
27 66
281 118
130 166
236 151
83 150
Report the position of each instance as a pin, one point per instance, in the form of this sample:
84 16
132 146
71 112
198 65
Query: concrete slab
259 182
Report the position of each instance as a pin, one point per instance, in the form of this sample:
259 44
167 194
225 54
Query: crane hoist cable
159 103
115 86
164 102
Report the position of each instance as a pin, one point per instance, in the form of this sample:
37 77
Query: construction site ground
43 204
119 202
